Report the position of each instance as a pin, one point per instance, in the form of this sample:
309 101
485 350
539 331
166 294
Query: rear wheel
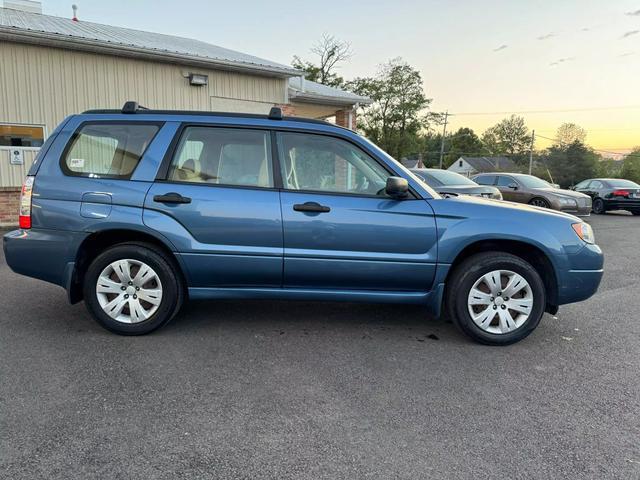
496 298
598 206
539 202
132 289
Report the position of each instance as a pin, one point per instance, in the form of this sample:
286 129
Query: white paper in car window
76 163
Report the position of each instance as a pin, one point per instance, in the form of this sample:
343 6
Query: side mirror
513 186
397 187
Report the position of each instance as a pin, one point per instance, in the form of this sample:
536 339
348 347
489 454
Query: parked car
451 183
521 188
611 194
136 211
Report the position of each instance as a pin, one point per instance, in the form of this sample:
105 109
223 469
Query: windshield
622 183
530 181
444 177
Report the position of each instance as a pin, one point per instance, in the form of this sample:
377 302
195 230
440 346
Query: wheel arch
100 240
524 250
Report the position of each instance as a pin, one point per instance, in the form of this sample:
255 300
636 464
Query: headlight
584 231
568 201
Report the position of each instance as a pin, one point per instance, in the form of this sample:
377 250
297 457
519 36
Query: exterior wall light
198 79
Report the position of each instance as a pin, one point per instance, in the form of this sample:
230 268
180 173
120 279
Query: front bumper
582 279
582 211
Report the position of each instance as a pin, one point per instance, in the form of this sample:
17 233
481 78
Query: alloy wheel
129 291
500 301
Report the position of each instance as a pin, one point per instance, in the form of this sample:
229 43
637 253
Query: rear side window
108 150
223 156
485 180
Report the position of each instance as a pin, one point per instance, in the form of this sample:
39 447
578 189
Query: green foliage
631 166
396 116
509 137
463 142
608 168
570 164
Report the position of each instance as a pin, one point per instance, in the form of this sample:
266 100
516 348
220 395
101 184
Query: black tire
164 266
539 202
598 206
636 212
473 268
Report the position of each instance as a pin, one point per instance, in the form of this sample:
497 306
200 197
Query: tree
396 116
631 166
331 52
569 133
570 164
509 137
463 142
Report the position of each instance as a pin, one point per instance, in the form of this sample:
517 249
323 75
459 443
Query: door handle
311 207
171 197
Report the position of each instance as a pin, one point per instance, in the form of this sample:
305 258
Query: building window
21 135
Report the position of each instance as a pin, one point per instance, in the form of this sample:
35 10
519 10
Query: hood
492 204
560 192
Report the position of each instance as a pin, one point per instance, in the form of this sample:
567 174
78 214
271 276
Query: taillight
620 193
25 203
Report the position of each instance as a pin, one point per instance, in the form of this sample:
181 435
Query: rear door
218 204
341 231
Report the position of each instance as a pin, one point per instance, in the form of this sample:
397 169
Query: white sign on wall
16 156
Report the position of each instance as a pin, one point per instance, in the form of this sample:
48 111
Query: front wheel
132 289
636 212
495 298
539 202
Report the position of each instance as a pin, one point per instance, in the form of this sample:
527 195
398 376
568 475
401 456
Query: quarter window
108 150
328 164
223 156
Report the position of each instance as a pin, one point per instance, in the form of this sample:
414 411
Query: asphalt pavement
264 389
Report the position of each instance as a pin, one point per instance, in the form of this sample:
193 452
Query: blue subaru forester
134 211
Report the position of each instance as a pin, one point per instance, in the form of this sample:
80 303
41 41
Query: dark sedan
452 183
611 194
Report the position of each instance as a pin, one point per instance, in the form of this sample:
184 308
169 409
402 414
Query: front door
510 189
341 231
219 207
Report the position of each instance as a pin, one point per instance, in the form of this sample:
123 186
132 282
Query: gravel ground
321 390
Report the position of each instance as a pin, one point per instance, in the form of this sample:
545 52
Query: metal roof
62 32
308 91
490 164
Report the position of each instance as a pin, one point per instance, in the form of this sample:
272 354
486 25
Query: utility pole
444 134
533 139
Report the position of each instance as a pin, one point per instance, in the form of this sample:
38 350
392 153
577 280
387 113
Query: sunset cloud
546 36
632 32
562 60
501 47
634 14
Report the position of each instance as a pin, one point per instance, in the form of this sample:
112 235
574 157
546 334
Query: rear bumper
47 255
623 204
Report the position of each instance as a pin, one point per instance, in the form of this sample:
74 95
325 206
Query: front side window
505 181
21 135
223 156
327 164
583 184
108 150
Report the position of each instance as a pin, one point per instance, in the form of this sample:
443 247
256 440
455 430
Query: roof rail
132 107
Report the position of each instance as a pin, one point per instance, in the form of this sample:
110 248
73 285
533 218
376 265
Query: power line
568 110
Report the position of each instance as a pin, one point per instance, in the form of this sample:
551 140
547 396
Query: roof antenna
75 12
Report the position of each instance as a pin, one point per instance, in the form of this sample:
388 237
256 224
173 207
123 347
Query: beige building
51 67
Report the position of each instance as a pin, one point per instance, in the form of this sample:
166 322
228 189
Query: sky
555 61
